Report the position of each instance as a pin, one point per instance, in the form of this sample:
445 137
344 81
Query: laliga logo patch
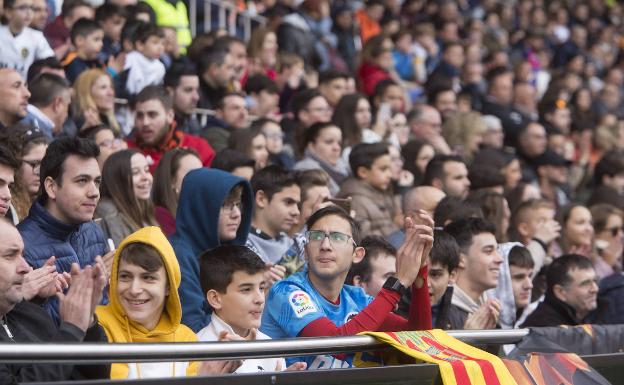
301 303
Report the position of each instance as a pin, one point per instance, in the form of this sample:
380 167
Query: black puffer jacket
28 322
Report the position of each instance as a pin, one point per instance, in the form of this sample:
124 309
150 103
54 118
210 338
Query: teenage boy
479 267
276 210
378 264
521 272
444 262
203 224
333 85
60 221
143 64
20 45
233 278
316 302
155 130
87 37
373 204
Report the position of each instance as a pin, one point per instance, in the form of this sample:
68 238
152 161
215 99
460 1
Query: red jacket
205 151
368 76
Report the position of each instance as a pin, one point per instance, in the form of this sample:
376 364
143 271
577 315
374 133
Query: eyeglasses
228 208
25 7
35 164
110 143
615 230
335 237
274 136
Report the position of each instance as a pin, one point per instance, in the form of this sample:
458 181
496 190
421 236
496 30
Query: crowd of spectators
378 165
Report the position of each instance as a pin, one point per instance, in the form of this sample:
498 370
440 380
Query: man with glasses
20 45
571 294
316 302
214 208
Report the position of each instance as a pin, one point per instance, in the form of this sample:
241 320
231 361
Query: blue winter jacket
45 236
202 194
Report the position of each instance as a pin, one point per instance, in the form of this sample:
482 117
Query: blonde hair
83 99
461 127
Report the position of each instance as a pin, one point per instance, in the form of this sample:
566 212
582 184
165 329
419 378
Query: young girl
126 205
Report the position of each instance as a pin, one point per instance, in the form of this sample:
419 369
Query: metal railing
137 352
224 20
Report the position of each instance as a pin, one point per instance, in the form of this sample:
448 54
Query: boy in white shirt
143 64
21 45
234 282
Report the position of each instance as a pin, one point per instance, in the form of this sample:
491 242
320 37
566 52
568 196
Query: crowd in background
377 165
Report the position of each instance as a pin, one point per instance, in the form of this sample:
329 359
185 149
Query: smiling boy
233 278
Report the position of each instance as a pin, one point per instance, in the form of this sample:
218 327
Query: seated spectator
322 146
26 322
449 174
480 265
607 222
571 294
443 267
333 86
144 303
168 177
8 166
40 15
230 114
508 165
426 124
276 210
60 222
94 100
143 64
107 140
552 177
353 116
533 224
155 131
111 17
371 199
376 59
86 37
275 143
485 178
609 179
203 224
308 107
377 265
58 32
532 142
262 50
48 65
28 146
263 96
464 133
49 102
495 210
215 70
125 205
314 185
416 155
415 199
577 231
14 94
238 50
182 82
304 305
21 45
235 162
252 143
521 272
493 136
233 278
521 193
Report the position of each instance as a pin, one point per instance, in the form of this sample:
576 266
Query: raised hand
547 231
75 306
415 248
42 282
274 273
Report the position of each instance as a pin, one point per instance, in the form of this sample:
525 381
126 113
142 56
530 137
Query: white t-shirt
20 51
143 72
217 325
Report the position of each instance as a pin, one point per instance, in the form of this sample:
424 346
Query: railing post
193 17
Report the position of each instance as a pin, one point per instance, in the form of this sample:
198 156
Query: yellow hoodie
119 328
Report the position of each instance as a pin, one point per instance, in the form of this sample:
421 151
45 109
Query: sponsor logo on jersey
301 303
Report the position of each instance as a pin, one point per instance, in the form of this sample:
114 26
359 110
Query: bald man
418 198
13 96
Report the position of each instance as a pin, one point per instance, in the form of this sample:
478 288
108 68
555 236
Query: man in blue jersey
315 302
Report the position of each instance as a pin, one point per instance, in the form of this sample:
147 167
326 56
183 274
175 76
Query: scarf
338 173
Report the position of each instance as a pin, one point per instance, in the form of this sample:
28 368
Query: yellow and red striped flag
459 363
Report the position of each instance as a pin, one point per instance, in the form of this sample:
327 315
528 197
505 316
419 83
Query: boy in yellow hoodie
144 303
